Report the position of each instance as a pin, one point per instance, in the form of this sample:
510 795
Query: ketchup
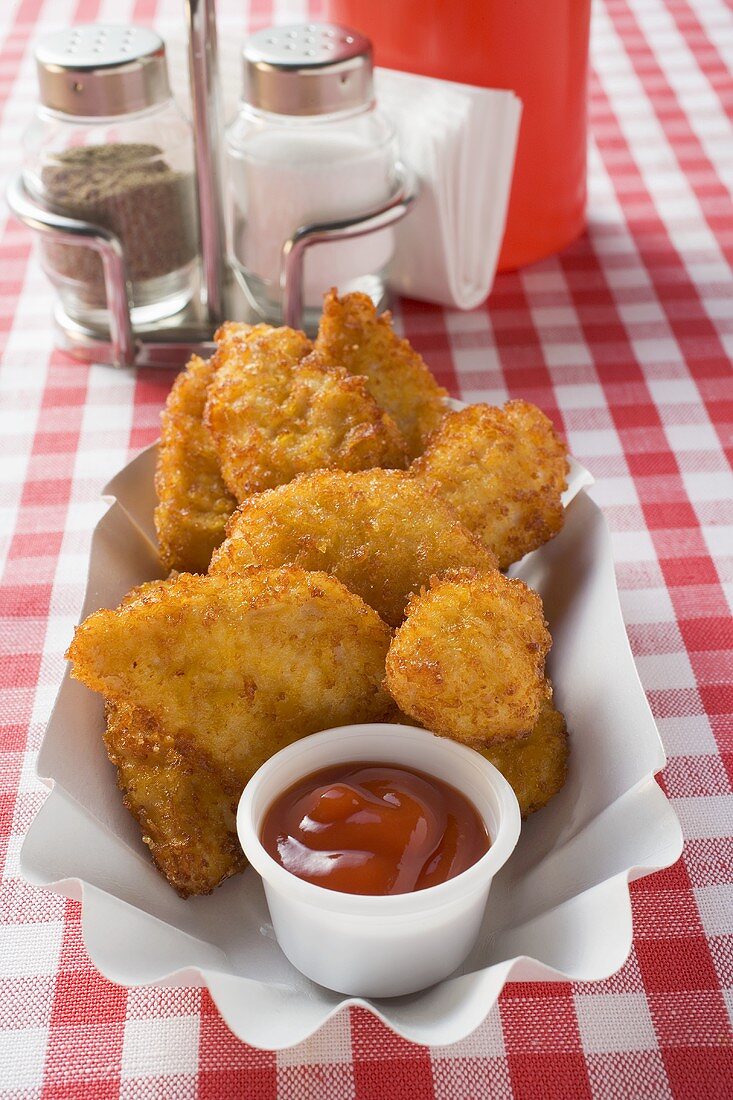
366 828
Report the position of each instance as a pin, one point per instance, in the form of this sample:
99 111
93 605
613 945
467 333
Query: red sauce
374 829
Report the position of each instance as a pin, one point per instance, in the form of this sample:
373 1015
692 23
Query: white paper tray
560 908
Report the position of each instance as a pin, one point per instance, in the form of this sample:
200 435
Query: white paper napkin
461 141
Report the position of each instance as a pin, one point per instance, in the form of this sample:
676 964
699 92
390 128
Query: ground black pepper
131 190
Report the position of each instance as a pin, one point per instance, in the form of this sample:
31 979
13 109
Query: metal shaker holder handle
84 234
380 217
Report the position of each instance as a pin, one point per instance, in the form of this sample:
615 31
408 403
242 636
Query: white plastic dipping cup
374 945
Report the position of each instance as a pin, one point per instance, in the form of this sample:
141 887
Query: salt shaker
308 145
108 146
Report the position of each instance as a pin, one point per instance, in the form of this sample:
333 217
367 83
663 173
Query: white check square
155 1047
614 1021
22 1058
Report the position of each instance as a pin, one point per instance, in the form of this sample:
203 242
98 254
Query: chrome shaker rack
171 342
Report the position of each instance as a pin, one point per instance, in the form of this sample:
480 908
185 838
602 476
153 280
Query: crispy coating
235 667
186 808
503 470
351 335
535 766
194 503
469 660
275 411
379 531
234 333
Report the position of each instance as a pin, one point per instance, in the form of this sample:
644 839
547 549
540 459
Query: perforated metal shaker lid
308 69
101 69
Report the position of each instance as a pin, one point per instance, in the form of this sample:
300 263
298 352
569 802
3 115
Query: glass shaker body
132 174
285 171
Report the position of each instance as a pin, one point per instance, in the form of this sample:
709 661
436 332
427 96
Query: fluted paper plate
559 910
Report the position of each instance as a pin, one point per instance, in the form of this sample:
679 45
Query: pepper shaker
108 146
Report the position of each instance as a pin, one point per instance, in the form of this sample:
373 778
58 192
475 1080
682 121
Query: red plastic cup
538 49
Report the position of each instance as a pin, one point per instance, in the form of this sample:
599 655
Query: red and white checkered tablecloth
624 339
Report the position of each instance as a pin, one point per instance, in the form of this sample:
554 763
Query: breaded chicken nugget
235 340
238 666
186 808
379 531
535 766
276 411
503 470
469 660
351 335
194 501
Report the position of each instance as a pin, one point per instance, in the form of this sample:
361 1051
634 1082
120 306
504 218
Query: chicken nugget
503 470
194 503
186 808
238 666
469 660
276 411
535 766
379 531
233 333
351 335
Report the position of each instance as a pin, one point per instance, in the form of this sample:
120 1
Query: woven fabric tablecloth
624 340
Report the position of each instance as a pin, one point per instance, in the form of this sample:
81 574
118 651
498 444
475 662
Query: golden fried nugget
238 666
276 411
469 660
140 591
503 470
185 807
231 333
351 335
194 503
535 766
379 531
